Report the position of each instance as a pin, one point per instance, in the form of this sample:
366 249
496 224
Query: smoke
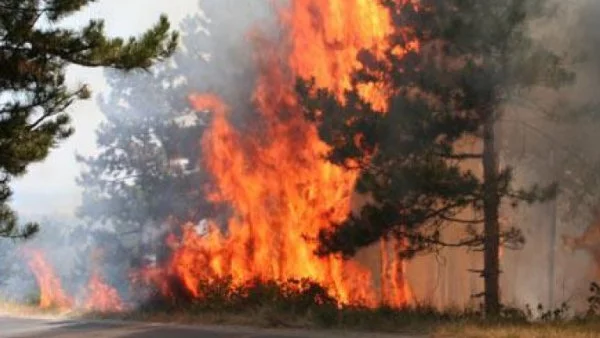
550 136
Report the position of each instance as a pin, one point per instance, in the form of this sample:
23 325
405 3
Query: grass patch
288 304
570 329
29 310
302 304
418 322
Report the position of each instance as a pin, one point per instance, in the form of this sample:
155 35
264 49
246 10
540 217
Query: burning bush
290 303
293 296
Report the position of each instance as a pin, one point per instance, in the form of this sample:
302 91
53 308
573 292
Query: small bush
594 300
292 298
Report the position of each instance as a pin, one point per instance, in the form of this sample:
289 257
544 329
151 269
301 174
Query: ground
21 321
21 327
53 327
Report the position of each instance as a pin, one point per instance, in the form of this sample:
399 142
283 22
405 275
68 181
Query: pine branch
465 221
461 156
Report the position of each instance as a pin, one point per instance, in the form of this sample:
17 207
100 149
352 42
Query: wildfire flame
101 296
273 174
327 36
50 288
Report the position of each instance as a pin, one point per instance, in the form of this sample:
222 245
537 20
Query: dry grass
549 330
412 323
262 318
306 305
24 310
417 327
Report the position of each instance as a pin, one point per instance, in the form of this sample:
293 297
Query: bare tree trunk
491 206
552 241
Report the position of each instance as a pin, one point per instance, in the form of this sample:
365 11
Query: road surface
16 327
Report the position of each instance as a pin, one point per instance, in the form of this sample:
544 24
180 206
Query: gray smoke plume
550 136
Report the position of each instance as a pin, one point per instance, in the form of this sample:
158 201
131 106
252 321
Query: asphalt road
53 328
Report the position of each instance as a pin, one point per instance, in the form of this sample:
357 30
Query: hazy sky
49 187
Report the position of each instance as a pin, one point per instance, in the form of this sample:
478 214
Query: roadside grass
29 310
569 329
417 322
302 304
408 321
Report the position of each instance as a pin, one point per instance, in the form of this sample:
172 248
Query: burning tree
444 78
266 165
34 60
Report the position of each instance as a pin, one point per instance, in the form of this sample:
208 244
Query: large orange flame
327 36
273 174
50 288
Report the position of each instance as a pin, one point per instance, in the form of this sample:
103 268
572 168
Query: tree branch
465 221
461 156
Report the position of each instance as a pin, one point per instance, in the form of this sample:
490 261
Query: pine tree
474 56
135 182
34 53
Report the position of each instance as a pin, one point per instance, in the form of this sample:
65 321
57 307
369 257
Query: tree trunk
552 240
491 206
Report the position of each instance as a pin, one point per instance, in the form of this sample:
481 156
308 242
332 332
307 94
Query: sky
49 187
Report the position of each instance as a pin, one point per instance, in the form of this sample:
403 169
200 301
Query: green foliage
34 56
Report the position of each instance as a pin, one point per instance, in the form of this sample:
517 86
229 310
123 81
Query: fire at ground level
442 280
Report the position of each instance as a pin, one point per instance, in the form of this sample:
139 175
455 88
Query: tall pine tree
34 53
147 178
474 56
